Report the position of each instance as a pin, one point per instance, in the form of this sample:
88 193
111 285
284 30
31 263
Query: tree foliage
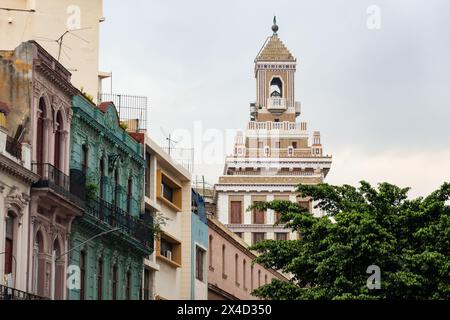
408 239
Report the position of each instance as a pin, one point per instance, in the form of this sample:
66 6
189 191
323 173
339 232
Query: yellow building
274 153
46 21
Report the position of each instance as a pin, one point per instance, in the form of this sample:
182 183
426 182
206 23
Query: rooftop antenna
169 140
60 40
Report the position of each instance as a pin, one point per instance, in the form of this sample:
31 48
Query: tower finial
275 26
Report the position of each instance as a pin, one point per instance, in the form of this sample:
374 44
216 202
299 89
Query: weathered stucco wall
16 87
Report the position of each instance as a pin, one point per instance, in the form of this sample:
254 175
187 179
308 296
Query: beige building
167 272
274 153
45 21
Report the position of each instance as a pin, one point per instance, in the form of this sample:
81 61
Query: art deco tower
273 155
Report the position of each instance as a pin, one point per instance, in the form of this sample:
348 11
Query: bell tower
275 82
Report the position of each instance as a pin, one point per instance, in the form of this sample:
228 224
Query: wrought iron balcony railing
139 229
7 293
54 179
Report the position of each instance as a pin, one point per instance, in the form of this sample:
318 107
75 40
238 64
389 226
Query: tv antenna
60 40
169 140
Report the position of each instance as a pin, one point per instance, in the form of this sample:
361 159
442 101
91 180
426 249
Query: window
223 262
147 174
236 269
147 284
169 191
40 135
259 278
304 204
58 142
251 277
281 236
210 251
116 195
199 263
9 243
244 265
114 282
260 144
100 279
169 250
276 120
236 212
278 217
276 88
258 236
102 177
277 144
129 194
239 234
265 279
128 285
82 275
294 144
258 215
85 158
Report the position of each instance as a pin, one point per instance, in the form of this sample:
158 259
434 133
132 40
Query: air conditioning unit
168 254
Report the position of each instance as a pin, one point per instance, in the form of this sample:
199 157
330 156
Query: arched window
223 261
116 195
259 278
236 269
40 136
82 275
114 282
100 279
9 243
210 248
59 142
276 88
85 158
251 278
129 194
102 177
39 265
128 285
244 264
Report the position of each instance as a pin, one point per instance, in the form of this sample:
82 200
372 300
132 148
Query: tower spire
275 26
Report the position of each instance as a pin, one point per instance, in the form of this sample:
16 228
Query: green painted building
107 173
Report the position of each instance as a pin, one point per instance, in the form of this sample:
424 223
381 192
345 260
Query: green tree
408 239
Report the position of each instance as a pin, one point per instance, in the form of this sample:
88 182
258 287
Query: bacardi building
273 155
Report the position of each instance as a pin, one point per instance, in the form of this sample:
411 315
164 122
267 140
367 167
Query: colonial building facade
107 173
232 274
38 89
16 179
273 155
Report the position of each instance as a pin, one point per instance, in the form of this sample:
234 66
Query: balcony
13 147
114 217
276 104
7 293
56 180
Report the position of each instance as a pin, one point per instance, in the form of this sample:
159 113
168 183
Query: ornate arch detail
100 251
115 258
48 104
18 201
40 228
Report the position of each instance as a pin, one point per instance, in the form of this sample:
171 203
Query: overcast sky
380 97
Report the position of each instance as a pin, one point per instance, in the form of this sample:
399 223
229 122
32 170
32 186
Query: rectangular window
258 236
260 144
281 236
294 144
199 263
169 250
114 282
146 284
258 216
100 280
236 212
304 204
82 274
169 191
147 174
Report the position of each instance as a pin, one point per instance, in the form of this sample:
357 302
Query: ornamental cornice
17 170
